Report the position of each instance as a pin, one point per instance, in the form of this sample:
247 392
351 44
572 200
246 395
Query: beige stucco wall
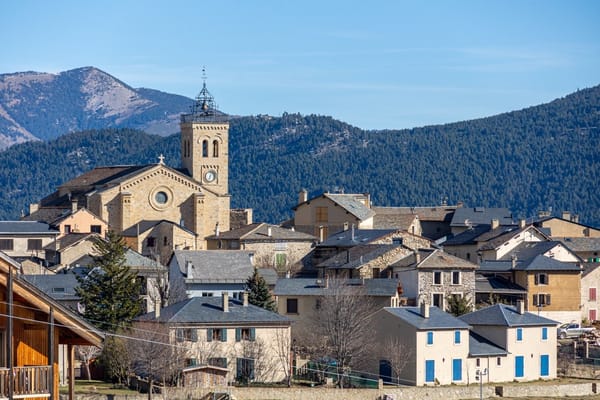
274 359
305 218
75 252
564 288
20 245
590 280
561 228
81 222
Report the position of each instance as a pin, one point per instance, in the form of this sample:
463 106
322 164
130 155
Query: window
58 290
244 369
456 337
215 148
438 300
245 334
165 241
477 362
317 304
291 306
544 333
429 338
218 362
541 300
6 244
67 229
437 277
322 214
376 272
34 244
207 294
96 229
161 197
280 260
205 148
397 240
498 361
541 279
216 334
186 334
456 277
519 334
151 241
592 294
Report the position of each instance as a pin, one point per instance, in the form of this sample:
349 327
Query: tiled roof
437 320
503 315
215 265
435 213
208 310
465 216
350 237
351 204
357 256
481 347
316 287
260 232
102 175
26 228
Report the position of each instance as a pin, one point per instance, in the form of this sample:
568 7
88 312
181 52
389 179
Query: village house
465 218
433 222
79 220
26 239
251 343
368 261
567 225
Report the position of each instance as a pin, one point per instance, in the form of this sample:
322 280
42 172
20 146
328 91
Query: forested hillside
540 157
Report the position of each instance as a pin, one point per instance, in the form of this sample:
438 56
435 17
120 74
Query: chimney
321 234
245 298
424 310
302 196
251 255
225 298
566 215
417 257
326 281
522 223
33 207
575 218
217 229
269 232
521 307
495 223
157 309
74 205
368 200
459 204
352 231
513 261
345 226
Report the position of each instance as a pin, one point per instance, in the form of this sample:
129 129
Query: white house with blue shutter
252 343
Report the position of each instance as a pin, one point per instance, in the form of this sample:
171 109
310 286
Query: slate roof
208 310
538 263
389 220
60 287
357 256
102 175
269 275
434 259
481 347
26 228
361 236
351 204
146 225
582 244
215 265
438 319
69 240
47 214
529 250
503 315
133 260
467 237
481 215
260 232
434 213
315 287
496 284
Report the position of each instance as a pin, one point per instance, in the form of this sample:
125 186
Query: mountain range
541 158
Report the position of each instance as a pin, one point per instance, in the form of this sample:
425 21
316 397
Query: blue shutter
519 334
544 333
456 337
457 369
519 366
223 335
430 337
544 365
429 370
238 334
209 334
252 334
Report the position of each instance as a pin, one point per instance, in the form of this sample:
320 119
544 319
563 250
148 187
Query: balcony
27 382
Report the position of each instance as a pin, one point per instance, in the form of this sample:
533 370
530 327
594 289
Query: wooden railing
27 381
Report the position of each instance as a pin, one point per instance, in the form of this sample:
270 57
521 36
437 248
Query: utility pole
479 374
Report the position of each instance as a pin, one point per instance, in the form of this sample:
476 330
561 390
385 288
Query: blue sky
373 64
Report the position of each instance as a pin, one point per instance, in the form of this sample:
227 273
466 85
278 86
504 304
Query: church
157 208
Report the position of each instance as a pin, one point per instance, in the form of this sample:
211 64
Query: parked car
573 330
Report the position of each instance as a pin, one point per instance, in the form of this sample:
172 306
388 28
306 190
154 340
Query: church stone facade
195 197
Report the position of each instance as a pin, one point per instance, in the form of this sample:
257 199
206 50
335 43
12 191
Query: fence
27 381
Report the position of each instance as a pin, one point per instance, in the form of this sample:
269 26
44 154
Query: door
456 370
519 366
544 365
429 370
385 370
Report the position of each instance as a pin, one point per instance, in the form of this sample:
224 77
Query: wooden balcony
28 382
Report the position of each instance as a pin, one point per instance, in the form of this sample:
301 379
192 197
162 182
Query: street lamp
479 374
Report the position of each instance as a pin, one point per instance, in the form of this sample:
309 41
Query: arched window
187 145
215 148
205 148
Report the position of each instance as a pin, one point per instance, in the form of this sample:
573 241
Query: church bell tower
205 143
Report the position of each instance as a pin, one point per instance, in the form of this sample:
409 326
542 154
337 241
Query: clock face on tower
210 176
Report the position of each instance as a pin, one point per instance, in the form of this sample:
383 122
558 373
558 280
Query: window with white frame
541 279
456 277
437 277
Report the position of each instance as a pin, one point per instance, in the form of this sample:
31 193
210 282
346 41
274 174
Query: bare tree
117 359
397 353
282 345
344 321
86 354
155 357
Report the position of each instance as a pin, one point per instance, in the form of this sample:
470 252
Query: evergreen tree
110 291
459 305
259 292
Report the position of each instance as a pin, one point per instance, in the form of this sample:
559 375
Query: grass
97 387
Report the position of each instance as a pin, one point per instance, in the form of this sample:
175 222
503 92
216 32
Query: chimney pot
495 223
269 231
321 234
157 309
521 307
302 196
245 298
522 223
74 205
225 302
566 215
